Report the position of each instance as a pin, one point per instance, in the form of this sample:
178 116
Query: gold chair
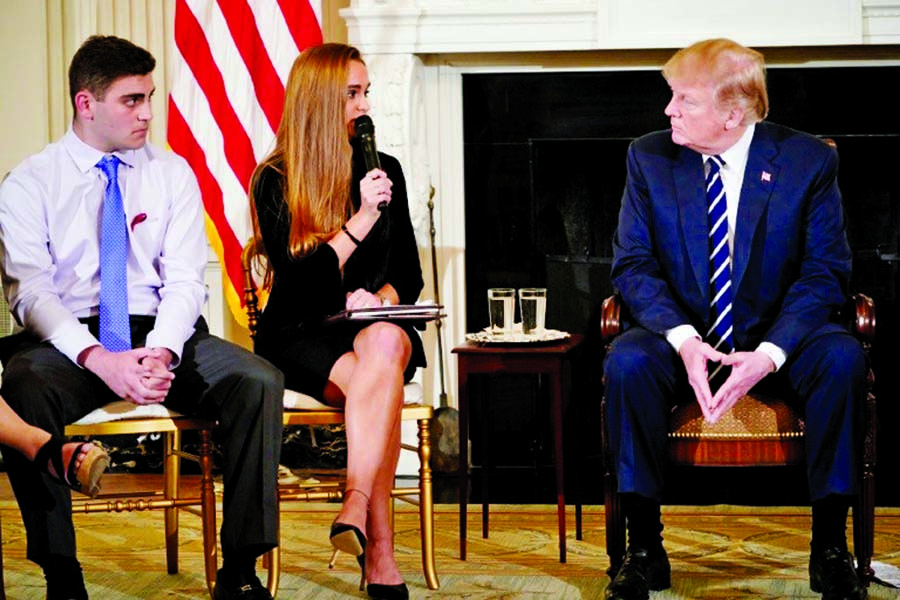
758 431
124 417
301 409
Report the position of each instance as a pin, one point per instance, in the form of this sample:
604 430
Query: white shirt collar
736 157
86 156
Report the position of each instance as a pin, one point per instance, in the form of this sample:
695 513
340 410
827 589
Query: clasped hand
747 369
140 375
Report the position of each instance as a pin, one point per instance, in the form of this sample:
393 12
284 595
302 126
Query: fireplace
545 169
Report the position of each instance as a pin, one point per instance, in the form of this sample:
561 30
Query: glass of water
533 305
502 308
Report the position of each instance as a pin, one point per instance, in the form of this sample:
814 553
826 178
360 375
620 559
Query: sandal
86 477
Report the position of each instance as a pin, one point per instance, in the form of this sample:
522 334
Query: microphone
365 132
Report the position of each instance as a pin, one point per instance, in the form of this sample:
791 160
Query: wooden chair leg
864 511
208 509
864 530
615 525
272 563
2 588
615 517
172 491
426 505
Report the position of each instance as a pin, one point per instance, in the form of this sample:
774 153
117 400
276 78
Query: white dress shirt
50 212
732 174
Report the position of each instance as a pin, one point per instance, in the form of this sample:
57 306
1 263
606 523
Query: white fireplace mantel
418 51
446 26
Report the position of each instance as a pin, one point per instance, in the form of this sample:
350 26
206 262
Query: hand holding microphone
365 133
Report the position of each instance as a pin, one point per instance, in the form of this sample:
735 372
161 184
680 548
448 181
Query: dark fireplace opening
544 173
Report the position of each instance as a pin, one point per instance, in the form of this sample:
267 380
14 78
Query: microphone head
364 130
363 125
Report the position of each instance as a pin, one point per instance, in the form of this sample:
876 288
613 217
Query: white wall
23 95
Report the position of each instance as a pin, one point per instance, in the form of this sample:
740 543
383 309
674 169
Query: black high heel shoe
387 591
383 591
348 538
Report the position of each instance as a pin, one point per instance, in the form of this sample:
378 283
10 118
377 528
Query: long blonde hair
312 148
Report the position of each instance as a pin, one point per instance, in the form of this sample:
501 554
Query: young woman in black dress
329 247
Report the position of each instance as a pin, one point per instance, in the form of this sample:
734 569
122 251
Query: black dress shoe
383 591
641 572
831 573
232 587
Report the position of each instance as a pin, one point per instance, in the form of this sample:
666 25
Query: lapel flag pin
766 177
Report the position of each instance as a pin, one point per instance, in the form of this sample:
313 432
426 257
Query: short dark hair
101 60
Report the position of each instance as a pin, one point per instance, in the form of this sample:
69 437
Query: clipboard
420 313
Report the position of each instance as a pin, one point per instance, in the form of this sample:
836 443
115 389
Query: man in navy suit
788 275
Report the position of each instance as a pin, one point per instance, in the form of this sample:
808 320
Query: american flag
232 59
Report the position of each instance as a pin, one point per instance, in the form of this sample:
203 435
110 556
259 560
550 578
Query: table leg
578 463
557 418
485 467
463 409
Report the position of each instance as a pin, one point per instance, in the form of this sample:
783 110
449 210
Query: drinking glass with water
533 306
502 308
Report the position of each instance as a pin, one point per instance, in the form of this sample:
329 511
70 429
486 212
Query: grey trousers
215 379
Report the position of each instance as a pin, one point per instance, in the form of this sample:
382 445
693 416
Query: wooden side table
547 359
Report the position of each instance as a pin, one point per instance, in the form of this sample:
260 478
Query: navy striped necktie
719 335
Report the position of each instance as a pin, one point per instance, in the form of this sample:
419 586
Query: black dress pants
215 379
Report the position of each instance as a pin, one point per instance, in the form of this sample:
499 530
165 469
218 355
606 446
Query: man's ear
735 118
84 105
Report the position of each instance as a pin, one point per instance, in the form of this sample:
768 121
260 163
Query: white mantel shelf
448 26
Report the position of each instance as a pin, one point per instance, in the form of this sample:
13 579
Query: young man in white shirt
62 366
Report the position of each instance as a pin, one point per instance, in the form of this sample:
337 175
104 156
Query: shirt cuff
74 340
677 335
173 343
774 352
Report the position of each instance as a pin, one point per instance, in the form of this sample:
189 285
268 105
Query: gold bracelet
349 235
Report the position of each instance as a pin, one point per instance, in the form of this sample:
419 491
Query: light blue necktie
115 332
719 334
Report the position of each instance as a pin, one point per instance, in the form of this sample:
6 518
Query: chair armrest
859 318
611 318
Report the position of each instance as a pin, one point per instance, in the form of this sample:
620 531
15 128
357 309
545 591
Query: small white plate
516 336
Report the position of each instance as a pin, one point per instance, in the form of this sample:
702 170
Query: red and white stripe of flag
232 59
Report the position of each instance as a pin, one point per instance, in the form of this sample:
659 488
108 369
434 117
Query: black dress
307 290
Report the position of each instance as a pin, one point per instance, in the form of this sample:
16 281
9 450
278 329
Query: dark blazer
791 260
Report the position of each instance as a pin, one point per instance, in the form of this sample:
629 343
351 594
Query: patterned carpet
716 552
